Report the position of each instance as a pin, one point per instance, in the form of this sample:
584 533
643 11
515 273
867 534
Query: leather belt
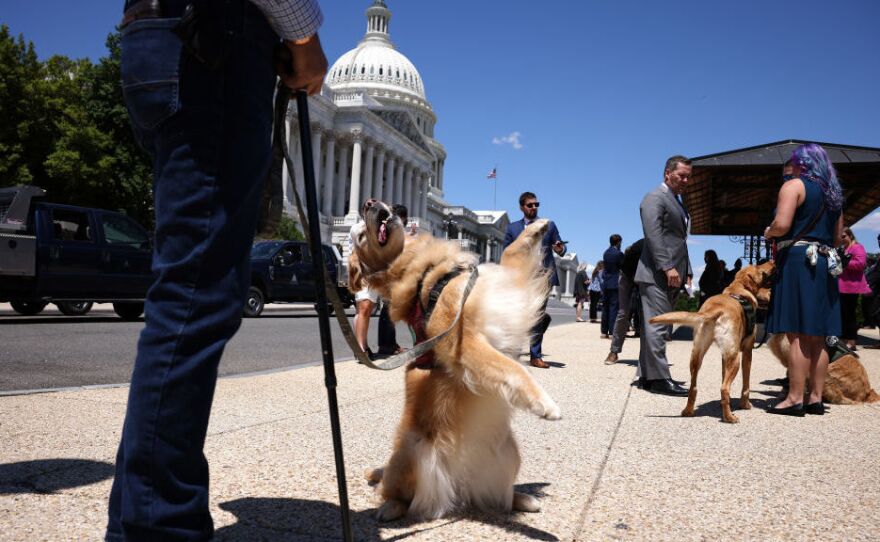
143 9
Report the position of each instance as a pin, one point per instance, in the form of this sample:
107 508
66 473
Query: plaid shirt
292 19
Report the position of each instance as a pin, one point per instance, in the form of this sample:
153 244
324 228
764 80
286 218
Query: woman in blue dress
805 304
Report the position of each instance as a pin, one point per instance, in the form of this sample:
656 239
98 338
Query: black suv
281 271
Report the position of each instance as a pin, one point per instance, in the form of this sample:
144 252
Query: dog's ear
355 273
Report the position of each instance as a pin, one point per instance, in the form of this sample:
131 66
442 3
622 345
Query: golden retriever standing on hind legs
723 318
454 445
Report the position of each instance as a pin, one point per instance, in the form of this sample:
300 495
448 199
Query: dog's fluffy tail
690 319
873 397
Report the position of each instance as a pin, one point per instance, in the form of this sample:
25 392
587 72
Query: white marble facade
372 136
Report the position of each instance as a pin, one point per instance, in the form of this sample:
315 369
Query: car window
122 231
264 250
290 255
70 225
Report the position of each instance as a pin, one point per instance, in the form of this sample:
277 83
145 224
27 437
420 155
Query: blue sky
600 93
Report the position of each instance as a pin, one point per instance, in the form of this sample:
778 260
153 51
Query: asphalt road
51 350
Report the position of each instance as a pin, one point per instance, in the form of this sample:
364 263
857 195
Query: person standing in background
595 290
712 277
851 284
551 242
581 291
663 270
612 258
805 301
627 291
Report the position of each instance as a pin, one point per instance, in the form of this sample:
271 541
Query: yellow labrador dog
454 446
846 382
722 319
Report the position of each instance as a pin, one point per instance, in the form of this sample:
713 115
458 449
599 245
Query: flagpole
495 189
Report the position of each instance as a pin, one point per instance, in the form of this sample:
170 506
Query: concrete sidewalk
621 464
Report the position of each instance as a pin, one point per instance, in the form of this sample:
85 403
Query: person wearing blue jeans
613 258
198 84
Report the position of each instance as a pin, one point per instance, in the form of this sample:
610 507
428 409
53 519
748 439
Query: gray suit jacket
664 222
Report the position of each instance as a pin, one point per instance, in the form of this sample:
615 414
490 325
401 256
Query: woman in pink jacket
852 283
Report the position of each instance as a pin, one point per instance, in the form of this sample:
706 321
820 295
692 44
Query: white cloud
512 140
870 223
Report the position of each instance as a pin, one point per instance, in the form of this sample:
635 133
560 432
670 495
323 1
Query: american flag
492 174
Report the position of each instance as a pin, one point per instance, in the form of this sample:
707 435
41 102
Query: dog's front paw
391 510
548 410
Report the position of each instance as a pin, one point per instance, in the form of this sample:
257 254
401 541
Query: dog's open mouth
382 228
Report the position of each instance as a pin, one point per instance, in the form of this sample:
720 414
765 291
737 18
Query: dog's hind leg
744 402
729 367
702 341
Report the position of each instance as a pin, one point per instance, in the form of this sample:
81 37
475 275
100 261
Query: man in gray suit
663 268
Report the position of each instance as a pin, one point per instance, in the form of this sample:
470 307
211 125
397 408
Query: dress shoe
792 410
665 386
539 363
611 359
815 408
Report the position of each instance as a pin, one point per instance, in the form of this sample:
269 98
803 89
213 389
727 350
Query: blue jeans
209 132
610 306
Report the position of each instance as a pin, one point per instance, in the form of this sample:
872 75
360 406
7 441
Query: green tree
68 130
24 139
288 230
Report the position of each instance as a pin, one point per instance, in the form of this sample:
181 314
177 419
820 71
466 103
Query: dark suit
613 258
551 236
665 223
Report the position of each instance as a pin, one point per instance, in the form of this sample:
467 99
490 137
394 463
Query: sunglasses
534 205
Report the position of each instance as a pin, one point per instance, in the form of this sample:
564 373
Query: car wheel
129 311
254 303
329 308
74 308
28 308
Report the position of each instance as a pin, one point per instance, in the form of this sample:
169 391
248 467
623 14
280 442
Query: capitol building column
354 201
367 189
317 136
398 182
379 173
406 190
388 191
341 179
329 163
423 210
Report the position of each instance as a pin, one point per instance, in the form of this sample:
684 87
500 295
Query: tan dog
721 319
454 445
846 382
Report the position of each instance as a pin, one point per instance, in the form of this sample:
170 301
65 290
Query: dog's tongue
383 233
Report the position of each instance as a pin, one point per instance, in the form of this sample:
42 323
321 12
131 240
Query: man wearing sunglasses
528 204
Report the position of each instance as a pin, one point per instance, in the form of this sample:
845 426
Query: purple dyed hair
812 162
